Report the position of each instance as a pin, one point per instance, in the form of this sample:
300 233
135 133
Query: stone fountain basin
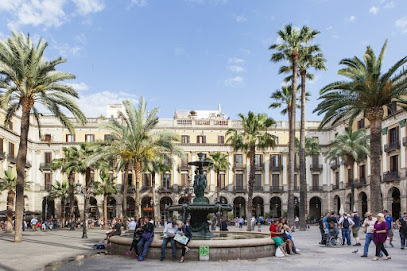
243 249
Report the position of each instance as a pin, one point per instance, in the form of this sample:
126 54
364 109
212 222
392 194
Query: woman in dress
380 236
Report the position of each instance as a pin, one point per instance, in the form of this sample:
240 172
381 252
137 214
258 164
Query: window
394 163
184 179
146 180
315 180
89 138
167 161
392 109
47 181
349 175
362 172
221 140
296 185
184 161
394 135
238 160
361 124
315 159
166 180
258 160
10 125
201 139
239 180
108 137
275 180
222 180
1 144
70 138
129 178
337 179
92 176
47 138
184 139
257 180
275 160
48 157
11 148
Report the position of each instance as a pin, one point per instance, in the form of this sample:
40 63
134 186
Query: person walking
390 223
346 224
356 227
146 239
169 234
368 228
379 236
186 230
402 223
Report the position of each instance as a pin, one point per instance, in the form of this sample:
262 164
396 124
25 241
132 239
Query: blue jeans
369 238
346 235
146 244
164 245
403 239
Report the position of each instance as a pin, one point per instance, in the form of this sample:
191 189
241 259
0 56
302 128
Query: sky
197 54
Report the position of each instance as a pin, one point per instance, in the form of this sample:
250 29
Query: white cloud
389 5
78 86
139 3
235 68
85 7
234 81
402 24
9 4
329 28
374 10
236 60
65 49
241 19
351 19
94 104
81 38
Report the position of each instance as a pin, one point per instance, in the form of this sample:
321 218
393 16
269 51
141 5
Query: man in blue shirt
389 221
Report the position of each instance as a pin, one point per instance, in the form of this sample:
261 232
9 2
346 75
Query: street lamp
82 190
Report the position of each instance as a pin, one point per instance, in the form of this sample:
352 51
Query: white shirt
351 223
132 225
369 224
170 230
253 219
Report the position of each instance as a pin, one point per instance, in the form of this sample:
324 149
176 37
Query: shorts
278 241
355 232
390 233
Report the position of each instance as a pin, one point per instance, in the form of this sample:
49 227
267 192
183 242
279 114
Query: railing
258 188
2 155
335 187
349 184
47 187
259 166
316 188
275 167
316 167
392 146
404 141
242 189
296 188
184 167
360 182
391 176
277 189
239 166
45 166
146 188
164 189
334 165
11 158
131 189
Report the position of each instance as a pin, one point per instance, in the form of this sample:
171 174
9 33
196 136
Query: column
355 171
212 181
368 165
119 177
266 170
174 170
402 151
285 168
247 171
384 156
342 176
230 173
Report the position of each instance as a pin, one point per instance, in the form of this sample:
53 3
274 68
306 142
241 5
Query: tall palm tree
349 147
220 163
60 190
293 40
70 164
28 80
367 92
252 137
8 183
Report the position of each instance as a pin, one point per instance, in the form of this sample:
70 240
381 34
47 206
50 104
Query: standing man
356 227
390 222
253 223
402 223
169 234
368 228
346 224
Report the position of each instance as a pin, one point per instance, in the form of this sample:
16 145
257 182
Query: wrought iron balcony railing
391 176
392 146
277 189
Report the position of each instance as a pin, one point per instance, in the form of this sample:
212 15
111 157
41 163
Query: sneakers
128 252
402 248
140 259
391 244
162 259
364 256
357 245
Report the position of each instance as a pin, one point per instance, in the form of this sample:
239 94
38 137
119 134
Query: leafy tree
60 190
28 80
366 93
253 136
8 183
220 163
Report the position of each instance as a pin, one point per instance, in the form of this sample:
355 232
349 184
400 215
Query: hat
381 215
385 211
368 214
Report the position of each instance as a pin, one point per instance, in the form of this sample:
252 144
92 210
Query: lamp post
82 190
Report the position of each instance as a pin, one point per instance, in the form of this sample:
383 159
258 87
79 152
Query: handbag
147 235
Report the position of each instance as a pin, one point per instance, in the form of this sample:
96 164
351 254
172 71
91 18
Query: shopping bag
279 253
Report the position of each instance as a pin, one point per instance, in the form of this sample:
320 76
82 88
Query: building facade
329 184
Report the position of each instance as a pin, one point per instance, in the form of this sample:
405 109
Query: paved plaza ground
65 250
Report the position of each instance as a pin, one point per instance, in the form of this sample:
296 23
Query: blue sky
196 54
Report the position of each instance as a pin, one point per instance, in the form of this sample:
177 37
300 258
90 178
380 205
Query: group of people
377 228
281 234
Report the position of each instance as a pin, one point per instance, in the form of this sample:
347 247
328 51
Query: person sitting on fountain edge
146 238
169 234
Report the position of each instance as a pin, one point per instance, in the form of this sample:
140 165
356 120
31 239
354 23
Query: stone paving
39 249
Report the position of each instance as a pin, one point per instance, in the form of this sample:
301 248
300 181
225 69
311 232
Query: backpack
346 223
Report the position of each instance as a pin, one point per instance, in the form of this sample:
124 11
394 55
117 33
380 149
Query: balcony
47 187
184 167
334 165
146 188
335 187
349 184
240 189
164 189
258 188
45 166
2 155
392 146
360 182
316 188
239 166
11 158
391 176
316 167
404 141
277 189
276 167
259 166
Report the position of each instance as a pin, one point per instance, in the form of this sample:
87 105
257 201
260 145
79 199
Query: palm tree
60 190
8 183
70 164
349 147
220 163
28 80
293 41
366 93
253 136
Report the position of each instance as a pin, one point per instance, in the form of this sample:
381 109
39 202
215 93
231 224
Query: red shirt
273 228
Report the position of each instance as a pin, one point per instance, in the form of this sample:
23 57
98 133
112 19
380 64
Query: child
259 228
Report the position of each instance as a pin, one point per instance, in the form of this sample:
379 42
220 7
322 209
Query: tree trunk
375 116
105 211
10 204
88 181
125 187
251 184
71 190
137 169
63 213
154 197
291 146
303 171
20 167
